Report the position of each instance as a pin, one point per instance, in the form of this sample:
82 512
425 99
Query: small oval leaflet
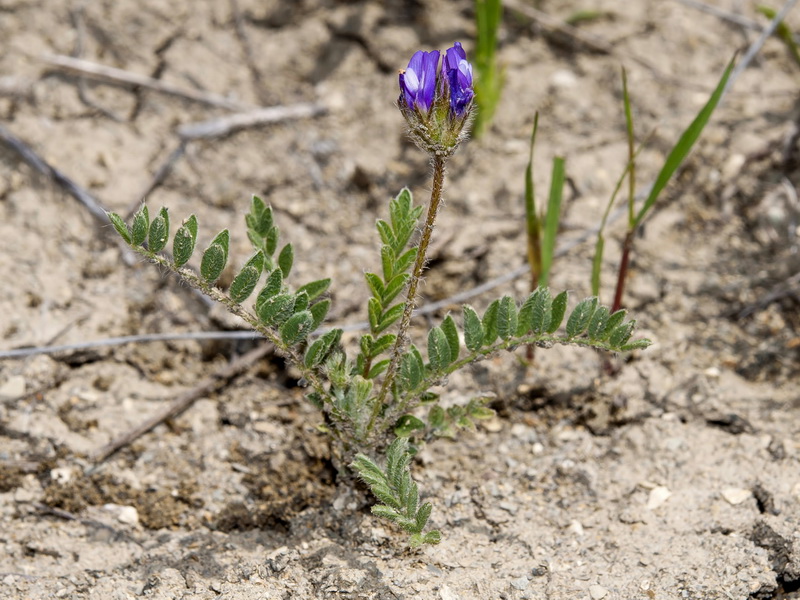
213 263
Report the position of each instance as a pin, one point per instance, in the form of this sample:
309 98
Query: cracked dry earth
676 477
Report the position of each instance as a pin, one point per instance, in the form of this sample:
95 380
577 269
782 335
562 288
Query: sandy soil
679 477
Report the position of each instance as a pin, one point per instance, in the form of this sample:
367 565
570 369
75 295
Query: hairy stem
416 274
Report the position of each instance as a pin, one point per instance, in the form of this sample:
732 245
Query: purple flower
418 81
459 77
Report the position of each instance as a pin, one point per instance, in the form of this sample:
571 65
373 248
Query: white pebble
597 592
658 495
735 495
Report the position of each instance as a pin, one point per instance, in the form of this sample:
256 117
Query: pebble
576 528
520 583
124 514
445 593
61 475
597 592
13 388
658 495
736 496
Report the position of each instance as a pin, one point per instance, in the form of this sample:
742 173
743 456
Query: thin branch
39 164
260 116
118 76
756 46
180 404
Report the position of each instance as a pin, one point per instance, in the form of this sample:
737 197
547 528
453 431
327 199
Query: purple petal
458 73
418 81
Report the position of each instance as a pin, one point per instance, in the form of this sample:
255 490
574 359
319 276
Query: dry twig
120 77
252 118
183 401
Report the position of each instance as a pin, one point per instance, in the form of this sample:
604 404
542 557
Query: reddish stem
627 246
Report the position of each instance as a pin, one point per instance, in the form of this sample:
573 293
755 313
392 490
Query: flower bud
436 102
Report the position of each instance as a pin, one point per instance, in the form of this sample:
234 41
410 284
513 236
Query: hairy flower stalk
437 105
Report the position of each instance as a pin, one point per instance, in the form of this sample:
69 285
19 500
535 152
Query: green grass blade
532 222
682 148
489 78
626 100
551 219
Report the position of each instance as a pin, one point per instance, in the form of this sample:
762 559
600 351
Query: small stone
576 528
127 515
13 388
736 496
492 425
658 495
597 592
520 583
445 593
61 475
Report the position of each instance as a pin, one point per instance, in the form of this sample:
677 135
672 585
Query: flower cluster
437 102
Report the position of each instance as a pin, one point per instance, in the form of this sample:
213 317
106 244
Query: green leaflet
541 311
473 329
407 425
598 323
315 289
275 310
558 308
506 318
297 328
438 349
451 333
620 336
141 225
490 323
120 226
286 260
579 319
184 241
321 348
159 232
213 262
319 311
244 283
